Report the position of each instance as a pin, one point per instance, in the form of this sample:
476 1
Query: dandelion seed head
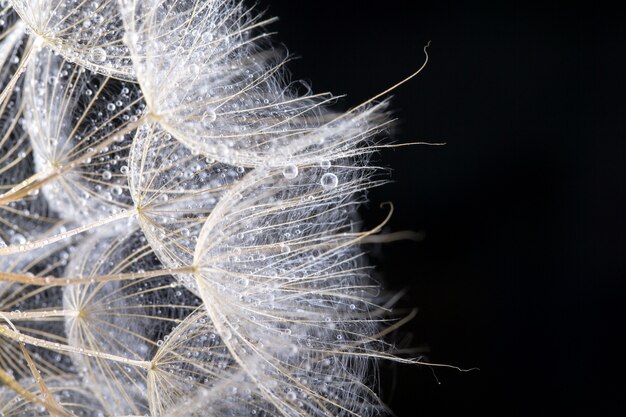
179 232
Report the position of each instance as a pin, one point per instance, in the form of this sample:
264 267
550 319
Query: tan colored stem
51 281
58 347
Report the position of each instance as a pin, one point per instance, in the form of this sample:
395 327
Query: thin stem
10 382
33 315
32 46
40 243
59 347
50 281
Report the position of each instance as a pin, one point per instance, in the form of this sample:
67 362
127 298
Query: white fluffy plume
179 232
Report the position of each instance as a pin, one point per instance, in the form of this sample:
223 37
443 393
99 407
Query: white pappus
179 229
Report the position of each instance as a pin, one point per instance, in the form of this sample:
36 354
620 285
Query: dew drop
329 181
209 117
98 55
290 172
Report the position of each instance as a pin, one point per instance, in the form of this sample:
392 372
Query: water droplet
329 181
325 164
290 172
98 55
208 117
117 190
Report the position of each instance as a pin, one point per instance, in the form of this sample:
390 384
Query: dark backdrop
521 271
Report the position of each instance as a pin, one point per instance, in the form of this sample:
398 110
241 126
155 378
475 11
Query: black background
521 272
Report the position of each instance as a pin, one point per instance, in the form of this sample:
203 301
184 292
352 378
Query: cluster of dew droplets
178 227
89 33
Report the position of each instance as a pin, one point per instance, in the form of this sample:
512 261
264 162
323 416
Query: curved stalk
49 281
40 243
59 347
